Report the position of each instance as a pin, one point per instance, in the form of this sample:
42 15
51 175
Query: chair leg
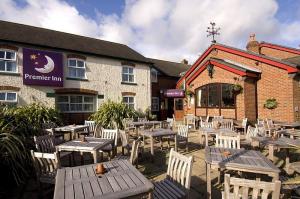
122 150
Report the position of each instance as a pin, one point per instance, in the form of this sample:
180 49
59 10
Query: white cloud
166 29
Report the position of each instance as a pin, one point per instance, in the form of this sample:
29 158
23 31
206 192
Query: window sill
9 73
76 78
129 83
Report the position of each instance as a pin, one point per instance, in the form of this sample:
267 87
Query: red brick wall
279 54
297 98
274 82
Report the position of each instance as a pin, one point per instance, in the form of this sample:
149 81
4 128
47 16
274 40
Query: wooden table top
239 158
91 144
145 122
121 180
289 125
217 131
72 128
282 142
158 132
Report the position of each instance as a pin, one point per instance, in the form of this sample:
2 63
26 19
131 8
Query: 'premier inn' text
42 77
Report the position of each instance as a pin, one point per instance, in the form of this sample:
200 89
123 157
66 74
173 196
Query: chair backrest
91 124
244 122
251 132
243 187
45 143
170 121
207 118
98 131
110 134
218 117
180 169
207 125
135 150
142 119
260 122
270 123
182 130
45 163
124 137
189 119
260 130
227 124
228 141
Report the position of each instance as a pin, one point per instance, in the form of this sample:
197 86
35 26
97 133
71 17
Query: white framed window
128 74
76 103
155 104
129 101
8 61
76 68
8 97
153 75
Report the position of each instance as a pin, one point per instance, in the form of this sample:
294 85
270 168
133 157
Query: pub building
73 73
259 82
164 76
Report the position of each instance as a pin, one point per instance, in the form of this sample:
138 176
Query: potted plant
237 88
271 103
189 93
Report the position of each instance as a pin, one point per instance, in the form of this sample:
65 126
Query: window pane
2 65
2 96
11 66
2 54
11 96
62 99
178 104
125 78
131 99
72 72
125 100
72 62
88 107
213 95
227 96
131 78
10 55
80 64
76 107
63 107
130 70
76 99
80 73
124 70
89 99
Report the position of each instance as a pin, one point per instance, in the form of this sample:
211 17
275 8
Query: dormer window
76 68
8 61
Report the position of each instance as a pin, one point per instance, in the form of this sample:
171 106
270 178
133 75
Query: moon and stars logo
47 68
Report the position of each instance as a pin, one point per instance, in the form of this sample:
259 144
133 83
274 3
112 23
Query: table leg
152 145
176 143
95 156
81 158
271 152
208 181
287 157
206 139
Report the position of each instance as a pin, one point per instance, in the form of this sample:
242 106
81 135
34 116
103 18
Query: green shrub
110 112
17 127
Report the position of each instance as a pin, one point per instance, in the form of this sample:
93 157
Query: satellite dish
48 68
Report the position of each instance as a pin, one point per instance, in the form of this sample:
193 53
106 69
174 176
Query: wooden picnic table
289 125
143 123
280 143
292 133
122 180
72 130
91 145
158 133
207 132
238 160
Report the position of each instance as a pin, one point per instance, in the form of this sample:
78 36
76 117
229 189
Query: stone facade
104 75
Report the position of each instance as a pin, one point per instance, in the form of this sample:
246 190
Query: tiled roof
169 68
19 33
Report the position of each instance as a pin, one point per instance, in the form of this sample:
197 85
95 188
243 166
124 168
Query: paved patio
154 171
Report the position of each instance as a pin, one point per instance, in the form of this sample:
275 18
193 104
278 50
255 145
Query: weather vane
212 31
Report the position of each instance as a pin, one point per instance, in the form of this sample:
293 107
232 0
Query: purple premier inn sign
176 93
42 68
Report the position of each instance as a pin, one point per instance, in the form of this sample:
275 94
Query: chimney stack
184 61
253 45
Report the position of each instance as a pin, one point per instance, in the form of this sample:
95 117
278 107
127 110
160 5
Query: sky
164 29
